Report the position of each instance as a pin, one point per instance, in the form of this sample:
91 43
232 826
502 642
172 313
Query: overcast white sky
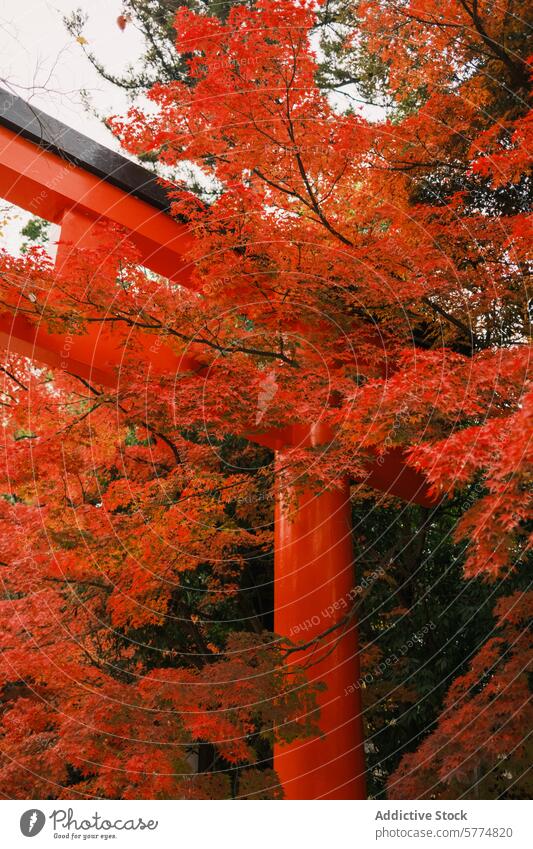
41 62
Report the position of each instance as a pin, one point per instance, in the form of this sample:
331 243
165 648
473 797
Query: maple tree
366 274
481 729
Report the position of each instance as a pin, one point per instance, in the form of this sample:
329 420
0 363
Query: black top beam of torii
46 132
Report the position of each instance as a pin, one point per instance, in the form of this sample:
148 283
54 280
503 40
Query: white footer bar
266 825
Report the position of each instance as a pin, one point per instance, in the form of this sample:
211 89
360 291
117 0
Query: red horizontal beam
46 185
95 355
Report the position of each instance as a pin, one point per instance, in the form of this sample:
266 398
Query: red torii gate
62 176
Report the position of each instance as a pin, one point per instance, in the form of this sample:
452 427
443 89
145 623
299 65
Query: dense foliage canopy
363 270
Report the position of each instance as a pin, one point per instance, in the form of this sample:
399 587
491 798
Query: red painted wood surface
46 185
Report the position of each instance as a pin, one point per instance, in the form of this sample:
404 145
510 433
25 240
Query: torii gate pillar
314 580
